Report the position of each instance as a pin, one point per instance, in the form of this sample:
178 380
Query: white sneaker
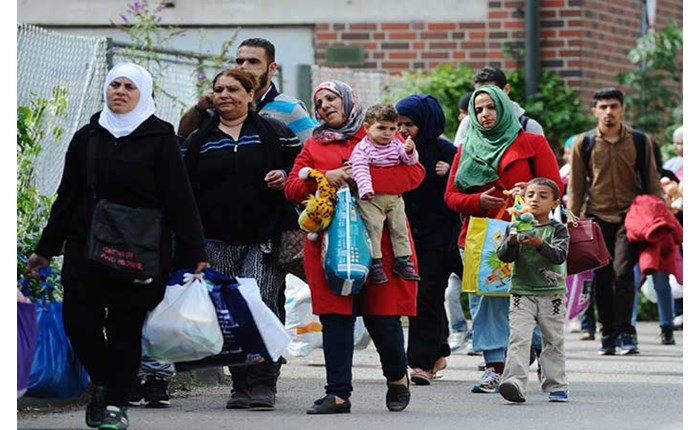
677 322
456 340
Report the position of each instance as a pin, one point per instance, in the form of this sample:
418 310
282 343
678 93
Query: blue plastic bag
56 371
242 343
26 341
346 250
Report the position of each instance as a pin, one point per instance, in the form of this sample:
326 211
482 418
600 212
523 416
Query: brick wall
587 41
400 46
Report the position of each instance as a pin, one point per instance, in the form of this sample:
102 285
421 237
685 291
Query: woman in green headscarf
497 155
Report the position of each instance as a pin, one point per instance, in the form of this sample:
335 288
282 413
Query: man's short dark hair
490 74
381 112
257 42
547 183
608 93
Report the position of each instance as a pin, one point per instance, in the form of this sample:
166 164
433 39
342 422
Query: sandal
421 377
440 364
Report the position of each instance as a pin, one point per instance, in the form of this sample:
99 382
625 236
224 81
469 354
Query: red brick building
587 41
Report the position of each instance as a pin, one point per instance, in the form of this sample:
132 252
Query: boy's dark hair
548 183
608 93
463 103
257 42
381 112
490 74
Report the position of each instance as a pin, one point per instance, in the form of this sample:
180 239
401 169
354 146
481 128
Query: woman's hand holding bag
184 326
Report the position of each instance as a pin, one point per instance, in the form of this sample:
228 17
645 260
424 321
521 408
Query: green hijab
483 147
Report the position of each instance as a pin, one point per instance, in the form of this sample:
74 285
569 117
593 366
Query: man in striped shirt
257 56
381 148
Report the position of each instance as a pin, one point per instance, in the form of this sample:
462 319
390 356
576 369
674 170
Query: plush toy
674 192
523 221
319 208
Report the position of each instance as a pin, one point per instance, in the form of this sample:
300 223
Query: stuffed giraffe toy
319 208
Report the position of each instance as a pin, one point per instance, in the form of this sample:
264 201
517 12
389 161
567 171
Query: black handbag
123 239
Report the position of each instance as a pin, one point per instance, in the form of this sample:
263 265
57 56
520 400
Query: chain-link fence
48 59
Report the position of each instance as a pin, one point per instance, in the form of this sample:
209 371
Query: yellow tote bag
484 274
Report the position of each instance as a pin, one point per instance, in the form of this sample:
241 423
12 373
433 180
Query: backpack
523 120
639 142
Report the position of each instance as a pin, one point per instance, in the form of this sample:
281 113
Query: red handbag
586 249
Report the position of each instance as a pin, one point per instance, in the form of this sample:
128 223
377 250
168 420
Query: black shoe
94 414
327 405
238 400
156 392
137 394
240 394
405 270
667 337
377 274
115 418
608 345
262 397
397 396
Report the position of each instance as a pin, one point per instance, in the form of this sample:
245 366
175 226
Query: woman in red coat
340 128
497 155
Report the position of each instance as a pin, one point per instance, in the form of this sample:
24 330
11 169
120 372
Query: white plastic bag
304 327
648 290
184 326
271 329
677 292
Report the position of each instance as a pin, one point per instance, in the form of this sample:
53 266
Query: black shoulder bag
123 239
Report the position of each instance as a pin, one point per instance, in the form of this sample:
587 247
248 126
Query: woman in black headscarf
434 228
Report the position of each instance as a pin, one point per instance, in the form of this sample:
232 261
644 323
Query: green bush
447 84
33 208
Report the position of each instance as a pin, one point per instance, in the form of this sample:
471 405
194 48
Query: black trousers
614 283
111 361
338 349
429 329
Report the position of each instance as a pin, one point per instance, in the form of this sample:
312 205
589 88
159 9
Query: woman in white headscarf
136 162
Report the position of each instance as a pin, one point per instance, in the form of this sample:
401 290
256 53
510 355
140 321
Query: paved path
613 392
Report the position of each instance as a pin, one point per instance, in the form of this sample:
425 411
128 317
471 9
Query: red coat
528 156
651 223
398 296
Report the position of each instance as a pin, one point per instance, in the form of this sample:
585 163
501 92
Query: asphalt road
636 392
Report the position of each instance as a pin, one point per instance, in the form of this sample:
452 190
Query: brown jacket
606 189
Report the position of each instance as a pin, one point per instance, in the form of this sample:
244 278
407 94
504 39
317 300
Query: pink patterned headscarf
354 114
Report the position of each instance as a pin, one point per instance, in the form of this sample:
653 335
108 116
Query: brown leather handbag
586 250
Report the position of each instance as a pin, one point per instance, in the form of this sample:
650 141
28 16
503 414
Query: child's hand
532 240
409 145
512 238
517 189
441 168
368 197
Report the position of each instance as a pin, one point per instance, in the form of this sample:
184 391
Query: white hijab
123 124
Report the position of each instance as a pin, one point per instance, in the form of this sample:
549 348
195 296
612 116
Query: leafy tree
555 106
652 102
